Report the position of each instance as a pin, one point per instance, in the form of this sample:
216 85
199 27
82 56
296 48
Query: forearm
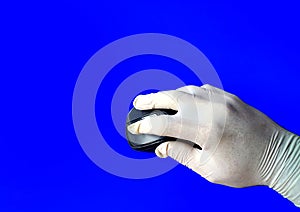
280 165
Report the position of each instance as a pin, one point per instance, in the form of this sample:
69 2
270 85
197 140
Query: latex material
145 142
251 150
280 165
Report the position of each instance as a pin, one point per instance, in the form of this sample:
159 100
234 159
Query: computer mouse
147 142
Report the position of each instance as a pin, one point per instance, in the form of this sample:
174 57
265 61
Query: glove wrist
280 165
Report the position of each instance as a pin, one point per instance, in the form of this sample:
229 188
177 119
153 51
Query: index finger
159 100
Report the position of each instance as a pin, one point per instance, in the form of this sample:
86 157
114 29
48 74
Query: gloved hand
240 146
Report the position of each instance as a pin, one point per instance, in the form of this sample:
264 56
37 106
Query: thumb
180 151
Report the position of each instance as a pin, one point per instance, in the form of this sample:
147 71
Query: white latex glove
240 146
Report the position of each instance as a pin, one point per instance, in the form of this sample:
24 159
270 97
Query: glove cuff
280 165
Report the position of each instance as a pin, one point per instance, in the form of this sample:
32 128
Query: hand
240 145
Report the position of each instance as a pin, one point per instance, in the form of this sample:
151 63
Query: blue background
254 47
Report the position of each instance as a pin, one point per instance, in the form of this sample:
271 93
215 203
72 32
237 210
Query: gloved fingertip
142 102
162 150
134 128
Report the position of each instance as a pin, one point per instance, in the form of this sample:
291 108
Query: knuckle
192 87
233 97
207 86
231 107
232 100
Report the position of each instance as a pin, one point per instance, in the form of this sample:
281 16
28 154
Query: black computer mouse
145 142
